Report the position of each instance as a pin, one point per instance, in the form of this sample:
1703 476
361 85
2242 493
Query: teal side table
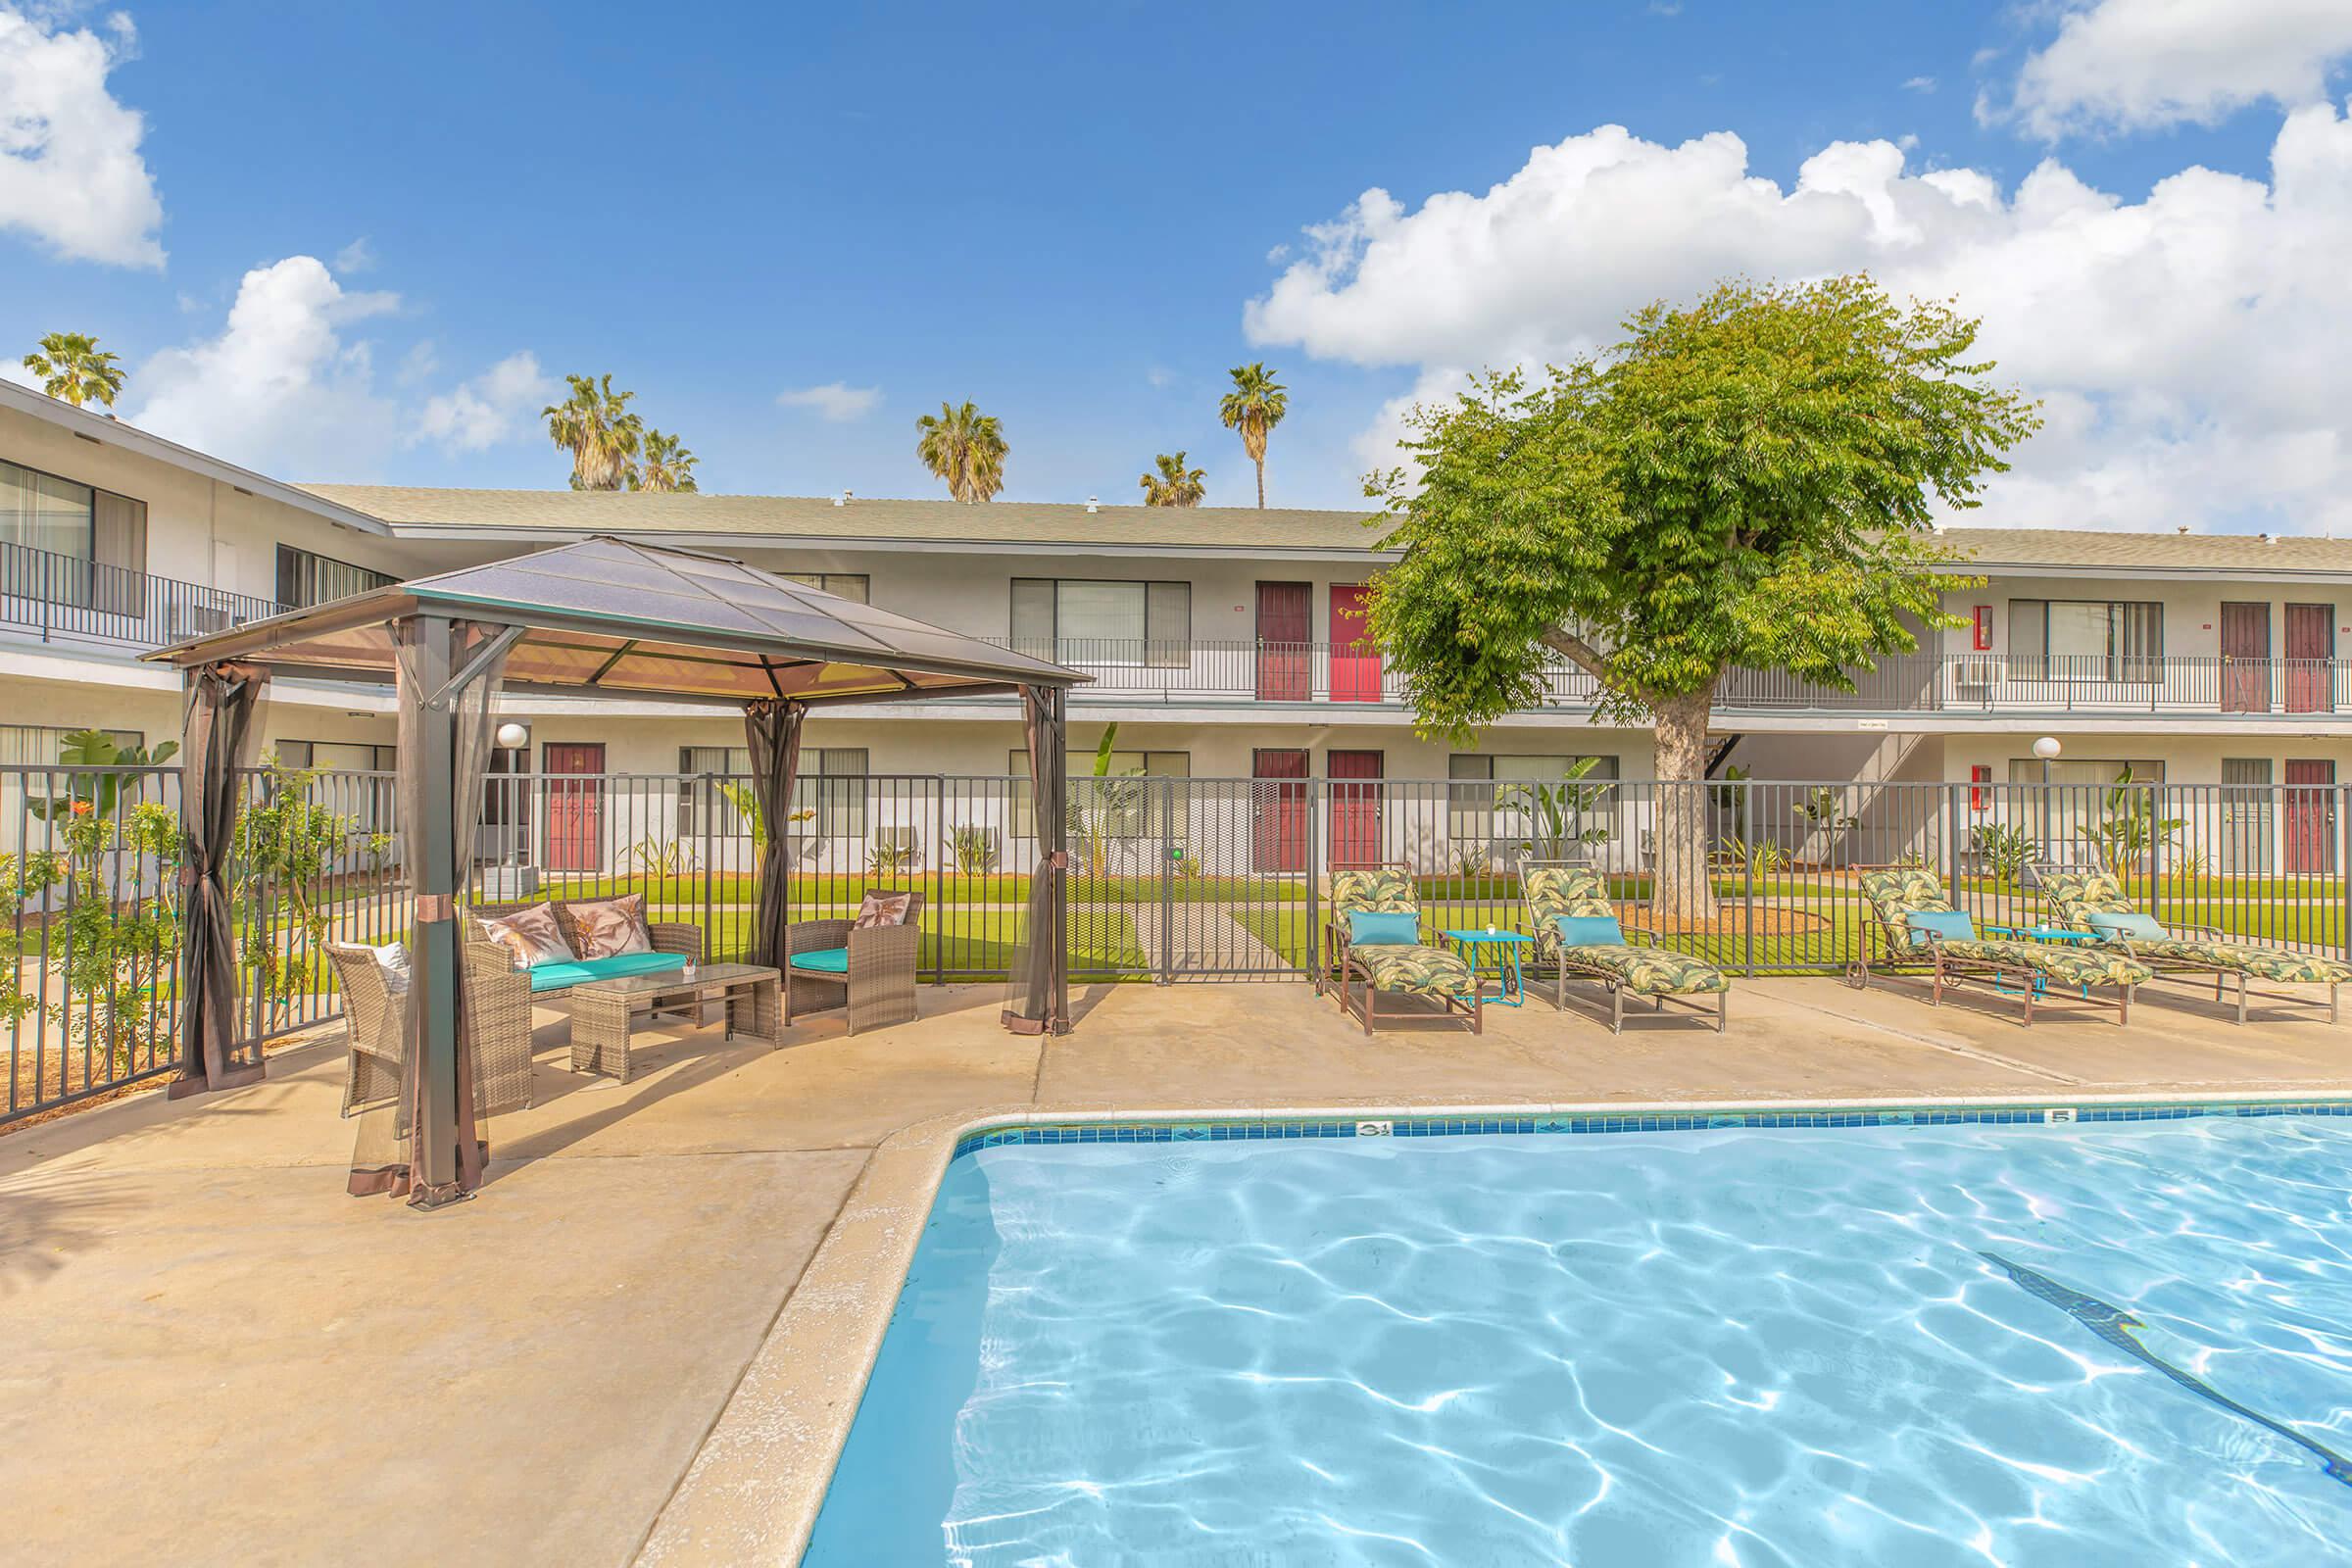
1514 994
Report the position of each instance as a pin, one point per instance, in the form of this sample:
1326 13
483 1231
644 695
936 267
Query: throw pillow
882 909
1589 931
1950 924
392 961
610 926
1367 928
530 936
2131 924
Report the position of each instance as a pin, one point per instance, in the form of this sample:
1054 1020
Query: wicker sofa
675 944
869 975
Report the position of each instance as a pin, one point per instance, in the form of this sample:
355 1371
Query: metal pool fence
1172 879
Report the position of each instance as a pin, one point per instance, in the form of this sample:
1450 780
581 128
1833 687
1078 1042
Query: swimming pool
1751 1346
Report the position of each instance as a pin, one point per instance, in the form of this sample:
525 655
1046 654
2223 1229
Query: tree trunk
1262 484
1681 889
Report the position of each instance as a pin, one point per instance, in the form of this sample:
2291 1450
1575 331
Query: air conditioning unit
1976 674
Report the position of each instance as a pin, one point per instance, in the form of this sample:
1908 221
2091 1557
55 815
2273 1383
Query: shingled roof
421 511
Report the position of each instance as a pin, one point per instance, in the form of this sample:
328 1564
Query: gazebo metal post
427 752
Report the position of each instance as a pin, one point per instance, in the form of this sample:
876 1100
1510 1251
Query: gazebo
603 616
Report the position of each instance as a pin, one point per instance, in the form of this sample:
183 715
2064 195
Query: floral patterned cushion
610 926
1431 971
1899 891
2277 964
2066 964
1650 971
531 936
2073 897
1380 889
1554 891
881 909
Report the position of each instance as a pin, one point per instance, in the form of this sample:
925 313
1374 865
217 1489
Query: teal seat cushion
825 960
563 976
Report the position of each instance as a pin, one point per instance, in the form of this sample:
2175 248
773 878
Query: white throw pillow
392 960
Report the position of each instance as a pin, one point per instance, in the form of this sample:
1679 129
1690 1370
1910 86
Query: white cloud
2187 343
71 174
285 386
1919 84
493 407
835 401
356 256
2131 65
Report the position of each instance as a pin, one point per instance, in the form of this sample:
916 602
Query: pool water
1736 1347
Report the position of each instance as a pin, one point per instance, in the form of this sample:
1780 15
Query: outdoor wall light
2047 748
514 737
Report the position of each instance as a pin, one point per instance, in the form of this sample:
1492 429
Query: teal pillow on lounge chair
1589 931
1372 928
1950 924
2137 926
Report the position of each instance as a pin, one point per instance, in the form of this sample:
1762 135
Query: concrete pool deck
211 1353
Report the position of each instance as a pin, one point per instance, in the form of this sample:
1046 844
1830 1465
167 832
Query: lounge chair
867 973
2091 901
1913 918
1557 890
1407 967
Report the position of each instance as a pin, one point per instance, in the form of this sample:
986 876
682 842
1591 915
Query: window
367 802
699 798
832 784
506 801
2078 639
1132 812
305 579
37 746
82 528
2084 772
1077 620
841 584
1484 800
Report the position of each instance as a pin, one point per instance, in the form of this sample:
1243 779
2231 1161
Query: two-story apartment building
1223 641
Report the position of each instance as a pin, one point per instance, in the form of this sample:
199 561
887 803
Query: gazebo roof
608 616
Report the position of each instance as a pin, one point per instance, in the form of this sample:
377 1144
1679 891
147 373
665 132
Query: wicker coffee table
604 1011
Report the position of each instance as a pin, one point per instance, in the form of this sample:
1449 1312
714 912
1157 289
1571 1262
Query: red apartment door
2310 815
1284 621
1354 660
1354 806
1278 808
575 807
2245 659
2310 659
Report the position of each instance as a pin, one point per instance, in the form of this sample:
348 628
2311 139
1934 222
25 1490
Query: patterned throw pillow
530 935
610 926
882 909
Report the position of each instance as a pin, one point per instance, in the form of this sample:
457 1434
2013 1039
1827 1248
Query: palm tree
965 448
667 466
1175 485
1254 406
595 426
72 367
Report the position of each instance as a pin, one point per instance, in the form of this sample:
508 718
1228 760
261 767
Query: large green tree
72 366
1745 482
965 448
596 426
1254 407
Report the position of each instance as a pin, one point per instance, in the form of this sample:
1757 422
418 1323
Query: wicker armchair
498 1022
876 988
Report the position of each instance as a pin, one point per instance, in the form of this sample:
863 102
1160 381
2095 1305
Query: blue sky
1064 212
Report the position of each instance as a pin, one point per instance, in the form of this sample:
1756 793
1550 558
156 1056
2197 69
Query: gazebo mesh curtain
773 731
219 739
431 653
1037 997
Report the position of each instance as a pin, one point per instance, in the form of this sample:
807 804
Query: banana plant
1557 811
100 792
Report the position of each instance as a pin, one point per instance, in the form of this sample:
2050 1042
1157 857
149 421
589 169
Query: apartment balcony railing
1321 674
60 598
